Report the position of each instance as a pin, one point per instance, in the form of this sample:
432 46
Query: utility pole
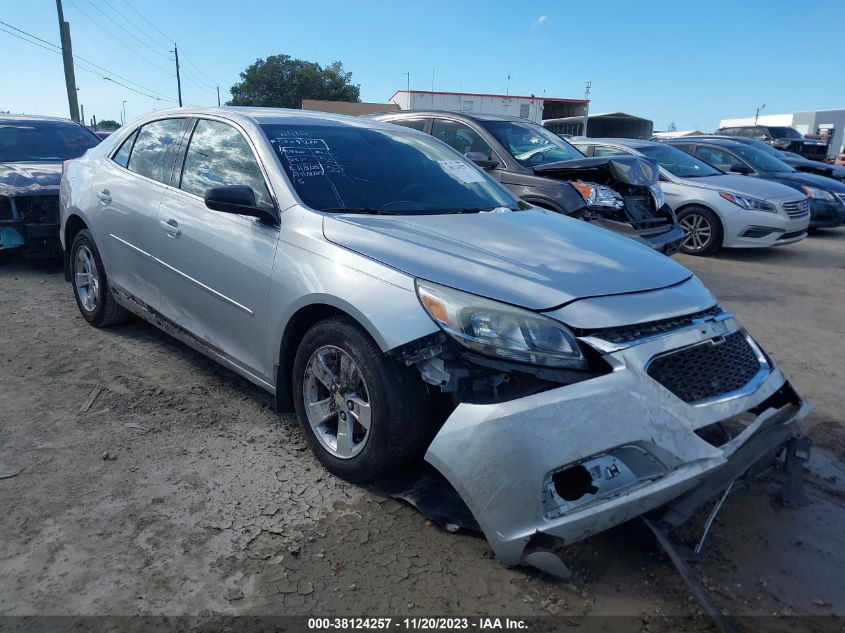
178 78
67 58
218 96
757 114
587 88
82 114
123 120
508 89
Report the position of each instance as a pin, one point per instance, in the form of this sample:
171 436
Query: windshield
531 144
784 132
43 141
761 161
677 162
351 168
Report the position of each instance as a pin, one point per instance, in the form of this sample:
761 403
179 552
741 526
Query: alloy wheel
87 279
697 232
337 402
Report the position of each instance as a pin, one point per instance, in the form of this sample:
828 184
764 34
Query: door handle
171 226
104 196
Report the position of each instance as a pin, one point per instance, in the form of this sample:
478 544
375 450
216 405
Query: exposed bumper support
629 444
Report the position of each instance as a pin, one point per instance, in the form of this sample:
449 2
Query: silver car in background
563 378
716 209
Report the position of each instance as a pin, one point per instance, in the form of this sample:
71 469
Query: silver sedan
561 377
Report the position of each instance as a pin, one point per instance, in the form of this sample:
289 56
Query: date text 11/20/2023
417 624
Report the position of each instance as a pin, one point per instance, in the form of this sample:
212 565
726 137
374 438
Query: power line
127 31
121 42
141 15
214 82
133 25
57 49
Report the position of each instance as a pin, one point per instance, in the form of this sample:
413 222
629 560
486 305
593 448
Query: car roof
15 118
474 116
264 116
633 143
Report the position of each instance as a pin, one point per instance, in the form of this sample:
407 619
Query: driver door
467 142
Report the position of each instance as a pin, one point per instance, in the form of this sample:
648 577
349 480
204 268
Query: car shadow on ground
792 254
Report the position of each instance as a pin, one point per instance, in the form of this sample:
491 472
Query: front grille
629 333
643 215
797 208
38 209
707 369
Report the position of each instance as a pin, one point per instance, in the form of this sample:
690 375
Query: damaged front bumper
578 459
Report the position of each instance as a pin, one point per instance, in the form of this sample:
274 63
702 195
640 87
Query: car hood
534 259
742 185
810 180
631 170
30 178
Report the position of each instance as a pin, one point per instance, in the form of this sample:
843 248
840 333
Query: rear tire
90 284
703 232
364 414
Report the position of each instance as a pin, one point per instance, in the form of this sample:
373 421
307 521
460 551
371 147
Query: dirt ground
179 491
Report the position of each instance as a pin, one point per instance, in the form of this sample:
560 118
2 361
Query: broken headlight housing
500 330
598 195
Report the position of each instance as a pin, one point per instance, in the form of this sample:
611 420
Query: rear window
46 141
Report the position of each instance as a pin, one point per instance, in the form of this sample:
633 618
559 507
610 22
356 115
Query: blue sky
669 60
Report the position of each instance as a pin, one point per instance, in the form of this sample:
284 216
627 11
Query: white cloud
539 21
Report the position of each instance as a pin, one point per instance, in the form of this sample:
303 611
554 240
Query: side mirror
238 199
483 160
738 168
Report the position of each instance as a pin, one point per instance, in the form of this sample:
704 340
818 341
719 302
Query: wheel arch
295 328
73 225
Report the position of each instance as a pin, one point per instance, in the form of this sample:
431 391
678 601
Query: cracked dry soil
178 490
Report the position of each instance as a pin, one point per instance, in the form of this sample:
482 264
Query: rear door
217 265
129 186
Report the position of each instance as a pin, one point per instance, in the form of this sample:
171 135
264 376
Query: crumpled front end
30 222
640 212
685 401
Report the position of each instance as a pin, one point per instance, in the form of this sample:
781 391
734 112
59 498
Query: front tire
364 414
90 284
703 232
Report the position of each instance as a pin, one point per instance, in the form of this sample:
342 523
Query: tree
283 82
108 124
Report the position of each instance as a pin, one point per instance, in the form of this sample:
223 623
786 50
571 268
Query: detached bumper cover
642 446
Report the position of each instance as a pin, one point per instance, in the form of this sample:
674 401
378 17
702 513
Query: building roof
347 107
482 94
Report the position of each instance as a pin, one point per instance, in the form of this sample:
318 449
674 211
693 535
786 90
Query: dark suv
780 137
619 193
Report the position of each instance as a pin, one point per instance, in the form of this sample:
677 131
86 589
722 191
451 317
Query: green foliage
107 124
283 82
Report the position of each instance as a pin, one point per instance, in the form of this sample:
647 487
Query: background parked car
780 137
796 161
827 196
542 168
31 153
840 159
716 209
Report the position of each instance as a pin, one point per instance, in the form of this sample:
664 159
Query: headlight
499 330
659 197
818 194
747 202
598 195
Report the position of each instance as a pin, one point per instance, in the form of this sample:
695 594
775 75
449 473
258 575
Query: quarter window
219 155
122 155
155 148
462 138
